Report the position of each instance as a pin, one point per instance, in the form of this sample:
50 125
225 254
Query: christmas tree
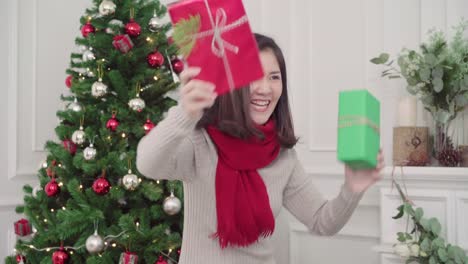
92 205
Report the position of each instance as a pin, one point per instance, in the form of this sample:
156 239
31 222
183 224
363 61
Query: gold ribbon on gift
356 120
186 33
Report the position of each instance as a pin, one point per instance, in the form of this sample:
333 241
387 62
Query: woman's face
265 92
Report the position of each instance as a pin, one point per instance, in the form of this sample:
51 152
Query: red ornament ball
70 146
177 65
155 59
60 257
68 81
20 258
87 28
161 261
148 126
52 188
132 28
112 123
101 186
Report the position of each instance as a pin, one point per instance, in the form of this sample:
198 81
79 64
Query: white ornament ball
88 56
130 181
79 136
153 24
94 243
172 205
107 7
98 89
90 152
137 104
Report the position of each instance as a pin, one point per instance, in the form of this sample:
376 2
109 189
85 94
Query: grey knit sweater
175 150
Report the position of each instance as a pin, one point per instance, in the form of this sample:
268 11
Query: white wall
327 43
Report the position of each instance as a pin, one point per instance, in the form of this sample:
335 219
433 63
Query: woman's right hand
195 95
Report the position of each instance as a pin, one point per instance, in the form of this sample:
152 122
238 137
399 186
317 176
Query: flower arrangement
437 74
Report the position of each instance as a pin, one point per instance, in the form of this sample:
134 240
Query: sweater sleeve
167 151
306 203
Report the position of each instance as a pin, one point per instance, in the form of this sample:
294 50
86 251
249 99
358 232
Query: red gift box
123 43
22 227
128 258
224 46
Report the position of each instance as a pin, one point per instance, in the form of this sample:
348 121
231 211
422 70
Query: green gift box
358 129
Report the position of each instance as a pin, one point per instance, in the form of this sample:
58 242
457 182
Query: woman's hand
360 180
195 95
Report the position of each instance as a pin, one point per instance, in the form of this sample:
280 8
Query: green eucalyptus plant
423 243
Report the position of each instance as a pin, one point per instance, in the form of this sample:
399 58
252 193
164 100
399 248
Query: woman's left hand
359 180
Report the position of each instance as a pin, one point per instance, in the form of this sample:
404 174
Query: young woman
235 156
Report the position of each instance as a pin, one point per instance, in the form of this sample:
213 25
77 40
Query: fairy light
157 181
170 250
45 220
71 252
48 249
52 210
31 246
63 208
156 78
139 179
60 165
114 244
81 186
124 135
149 39
60 184
105 243
44 165
109 137
14 250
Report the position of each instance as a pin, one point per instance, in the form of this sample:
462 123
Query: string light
63 208
71 252
123 135
114 244
137 224
52 210
170 250
157 181
45 220
60 183
81 186
109 137
48 249
139 179
156 78
60 165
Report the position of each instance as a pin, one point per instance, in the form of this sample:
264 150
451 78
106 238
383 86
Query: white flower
402 250
414 248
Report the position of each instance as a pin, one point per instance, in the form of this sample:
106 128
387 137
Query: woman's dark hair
230 112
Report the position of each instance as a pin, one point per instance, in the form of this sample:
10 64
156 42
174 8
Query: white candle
407 109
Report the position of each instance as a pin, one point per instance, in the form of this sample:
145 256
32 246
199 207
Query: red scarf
242 204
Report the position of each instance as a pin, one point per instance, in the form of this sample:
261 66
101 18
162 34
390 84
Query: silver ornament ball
153 24
130 181
90 152
79 137
94 243
114 23
137 104
172 205
98 89
35 190
107 7
75 107
88 56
